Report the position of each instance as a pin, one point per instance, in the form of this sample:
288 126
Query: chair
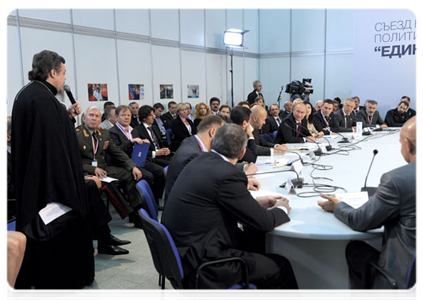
274 134
267 137
169 136
148 201
11 225
166 257
165 169
389 278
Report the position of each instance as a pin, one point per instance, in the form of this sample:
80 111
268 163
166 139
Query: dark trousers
127 183
155 177
359 254
100 214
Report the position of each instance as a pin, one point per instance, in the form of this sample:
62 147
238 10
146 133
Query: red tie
370 119
298 130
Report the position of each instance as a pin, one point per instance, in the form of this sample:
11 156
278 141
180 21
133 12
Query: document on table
52 211
261 193
354 200
108 179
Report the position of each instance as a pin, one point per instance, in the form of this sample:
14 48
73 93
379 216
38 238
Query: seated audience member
189 107
181 127
94 144
259 101
409 112
324 120
244 103
16 244
369 116
357 107
202 110
105 105
110 118
171 115
240 116
224 110
397 117
158 110
122 136
309 117
344 118
158 152
214 105
392 206
273 121
318 105
134 110
257 120
294 128
203 219
287 106
337 104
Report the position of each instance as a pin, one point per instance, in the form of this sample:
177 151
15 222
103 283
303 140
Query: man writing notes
392 206
203 218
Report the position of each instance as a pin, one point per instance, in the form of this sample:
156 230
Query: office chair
11 224
274 134
169 136
267 137
148 201
166 257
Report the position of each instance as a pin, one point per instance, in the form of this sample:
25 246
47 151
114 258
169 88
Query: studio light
234 38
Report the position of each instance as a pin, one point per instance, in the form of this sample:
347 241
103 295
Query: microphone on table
69 93
370 190
328 147
297 183
317 152
344 139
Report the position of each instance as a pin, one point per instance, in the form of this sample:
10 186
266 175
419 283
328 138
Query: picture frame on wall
166 91
193 91
97 92
136 92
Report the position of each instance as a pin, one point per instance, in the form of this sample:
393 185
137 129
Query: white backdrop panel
14 82
54 15
216 77
274 30
165 24
251 23
238 86
339 69
308 30
340 29
250 75
193 73
376 75
134 68
95 63
310 67
235 18
192 26
215 26
274 73
98 18
133 21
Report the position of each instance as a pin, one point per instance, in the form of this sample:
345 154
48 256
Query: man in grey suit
392 206
369 116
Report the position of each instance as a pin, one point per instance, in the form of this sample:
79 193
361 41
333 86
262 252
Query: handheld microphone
69 93
370 190
297 183
344 139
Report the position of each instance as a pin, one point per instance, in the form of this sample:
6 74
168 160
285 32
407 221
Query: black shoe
111 250
114 241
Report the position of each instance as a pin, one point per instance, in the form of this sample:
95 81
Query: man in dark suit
240 116
157 152
214 103
203 218
273 121
256 93
344 117
287 109
324 120
294 127
171 115
392 206
358 107
257 120
397 117
134 110
369 116
409 112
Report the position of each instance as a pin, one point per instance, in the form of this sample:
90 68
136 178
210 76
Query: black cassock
47 168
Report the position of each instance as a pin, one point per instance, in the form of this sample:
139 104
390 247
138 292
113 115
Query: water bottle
360 128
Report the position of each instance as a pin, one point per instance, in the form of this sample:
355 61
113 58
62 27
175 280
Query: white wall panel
192 26
166 71
216 77
238 86
134 68
235 18
165 24
274 30
308 29
98 18
250 75
340 29
133 21
13 67
310 67
274 73
339 76
53 15
251 23
215 26
193 73
95 63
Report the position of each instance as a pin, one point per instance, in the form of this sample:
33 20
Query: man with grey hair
110 118
256 93
203 218
369 116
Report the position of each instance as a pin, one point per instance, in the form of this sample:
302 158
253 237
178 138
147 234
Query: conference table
314 240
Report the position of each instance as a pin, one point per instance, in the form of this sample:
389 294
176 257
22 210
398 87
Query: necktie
95 143
370 119
278 121
298 130
153 136
346 121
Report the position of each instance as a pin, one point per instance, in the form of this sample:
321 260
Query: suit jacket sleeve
120 156
251 152
361 117
287 133
126 145
318 122
381 207
379 120
340 122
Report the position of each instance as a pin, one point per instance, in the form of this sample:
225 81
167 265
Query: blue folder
139 154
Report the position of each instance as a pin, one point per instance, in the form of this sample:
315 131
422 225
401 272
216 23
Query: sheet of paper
353 199
261 193
268 162
108 179
52 211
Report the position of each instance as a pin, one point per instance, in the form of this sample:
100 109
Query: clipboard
139 154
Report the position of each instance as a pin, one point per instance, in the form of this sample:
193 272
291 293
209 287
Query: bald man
257 120
392 206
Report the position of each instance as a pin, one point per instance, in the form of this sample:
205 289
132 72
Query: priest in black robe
47 168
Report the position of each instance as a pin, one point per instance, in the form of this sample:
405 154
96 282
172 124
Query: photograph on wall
193 91
97 92
136 91
166 91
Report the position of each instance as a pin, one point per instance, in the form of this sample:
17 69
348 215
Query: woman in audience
201 111
309 117
182 127
224 110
